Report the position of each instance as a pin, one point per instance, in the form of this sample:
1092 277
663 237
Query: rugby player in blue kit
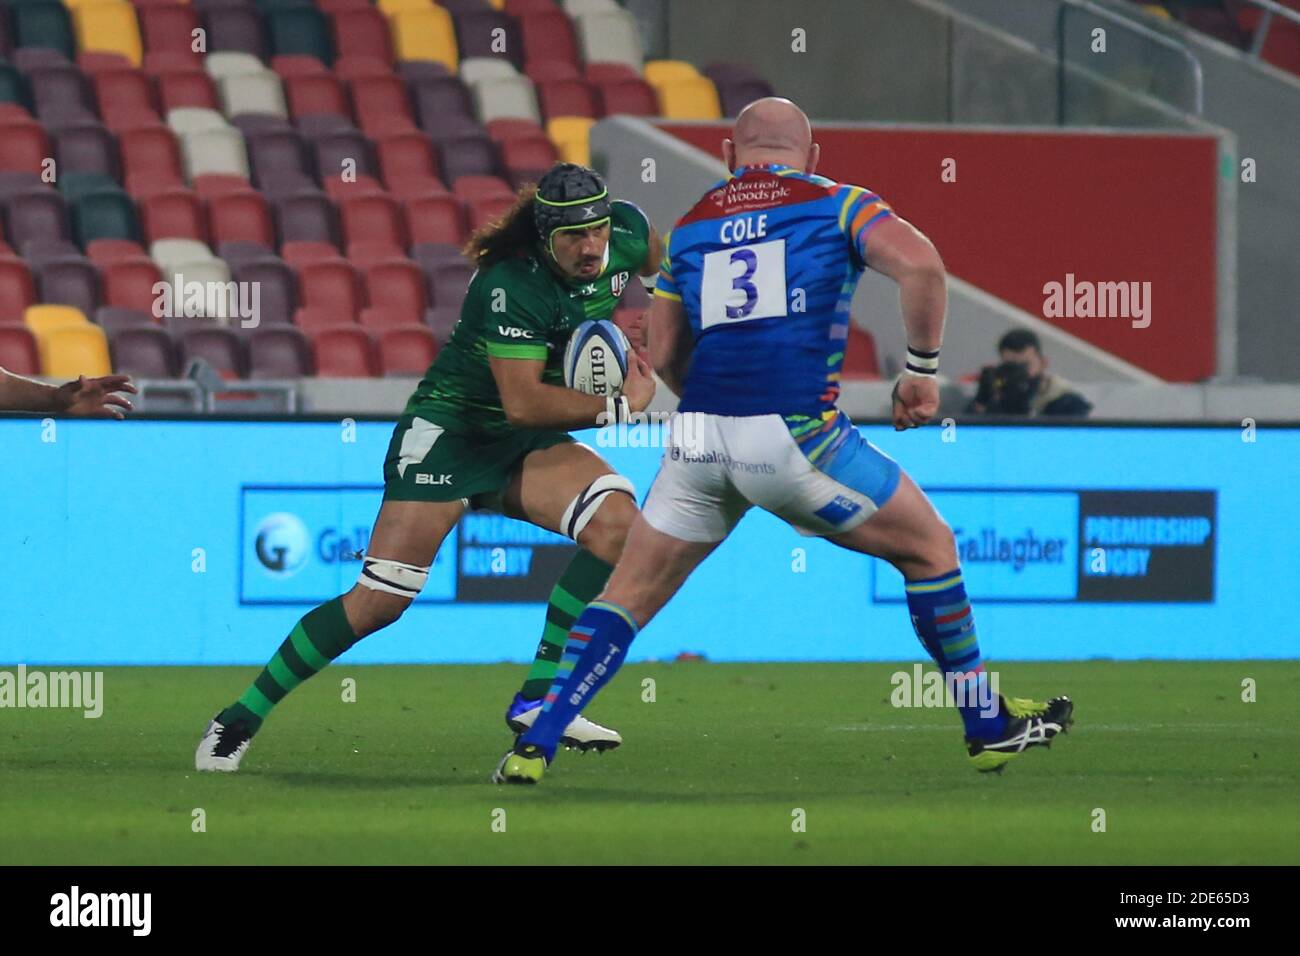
748 326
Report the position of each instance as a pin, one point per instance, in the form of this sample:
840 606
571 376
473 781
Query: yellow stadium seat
424 34
108 28
497 4
668 71
45 318
74 350
389 7
572 138
1157 10
689 99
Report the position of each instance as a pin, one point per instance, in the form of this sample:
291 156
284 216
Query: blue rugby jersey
765 265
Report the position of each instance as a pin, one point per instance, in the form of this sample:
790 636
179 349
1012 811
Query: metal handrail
1270 8
1160 39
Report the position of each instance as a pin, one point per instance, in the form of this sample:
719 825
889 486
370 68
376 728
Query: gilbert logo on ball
282 544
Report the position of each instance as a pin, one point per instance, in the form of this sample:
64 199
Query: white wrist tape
922 363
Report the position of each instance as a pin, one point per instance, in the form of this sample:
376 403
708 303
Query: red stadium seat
291 64
356 67
128 283
548 34
373 218
439 219
191 87
533 153
501 130
17 289
567 98
241 215
172 213
169 27
339 189
397 284
481 187
346 353
380 98
150 154
315 93
299 252
330 282
23 147
634 97
18 351
547 70
125 97
363 255
407 161
211 185
608 72
362 31
104 251
407 350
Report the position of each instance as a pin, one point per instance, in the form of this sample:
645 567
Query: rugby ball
595 360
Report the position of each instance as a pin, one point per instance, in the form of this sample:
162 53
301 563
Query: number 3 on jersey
744 283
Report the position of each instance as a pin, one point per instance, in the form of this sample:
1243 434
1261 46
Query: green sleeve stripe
517 350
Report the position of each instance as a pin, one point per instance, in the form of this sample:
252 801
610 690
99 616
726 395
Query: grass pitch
713 771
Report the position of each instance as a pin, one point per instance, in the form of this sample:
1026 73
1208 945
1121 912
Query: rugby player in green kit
487 428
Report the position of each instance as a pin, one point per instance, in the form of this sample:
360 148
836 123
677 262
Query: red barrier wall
1028 208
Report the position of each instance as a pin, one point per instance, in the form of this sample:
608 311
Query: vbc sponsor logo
514 333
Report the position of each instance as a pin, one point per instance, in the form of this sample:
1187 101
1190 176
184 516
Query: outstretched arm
670 341
91 397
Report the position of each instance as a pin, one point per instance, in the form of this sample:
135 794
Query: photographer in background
1021 384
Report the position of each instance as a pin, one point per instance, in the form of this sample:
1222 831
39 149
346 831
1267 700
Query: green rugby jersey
520 308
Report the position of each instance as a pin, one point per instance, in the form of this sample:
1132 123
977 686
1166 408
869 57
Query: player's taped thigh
583 508
393 577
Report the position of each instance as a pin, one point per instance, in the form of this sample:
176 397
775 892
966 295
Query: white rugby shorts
825 480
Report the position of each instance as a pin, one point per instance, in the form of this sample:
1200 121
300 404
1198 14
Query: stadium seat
85 147
173 213
610 36
34 214
407 163
223 63
296 64
277 287
104 215
332 283
689 99
23 147
313 93
345 353
43 249
59 91
632 97
280 352
69 351
298 252
448 283
485 210
300 30
339 189
548 34
149 154
379 318
577 8
479 69
112 319
234 30
397 284
252 93
547 71
46 25
441 321
241 216
168 26
415 71
505 97
194 119
144 351
128 283
467 156
361 31
436 219
187 87
429 254
345 150
211 185
43 319
274 152
126 98
424 33
406 350
437 97
735 95
220 347
659 72
109 26
390 7
380 98
68 280
373 218
13 88
215 152
172 254
572 138
519 8
17 288
568 98
487 33
305 215
601 71
19 353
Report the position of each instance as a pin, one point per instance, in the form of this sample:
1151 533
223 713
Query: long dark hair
505 238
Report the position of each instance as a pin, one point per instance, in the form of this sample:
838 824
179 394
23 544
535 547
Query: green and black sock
578 586
322 635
